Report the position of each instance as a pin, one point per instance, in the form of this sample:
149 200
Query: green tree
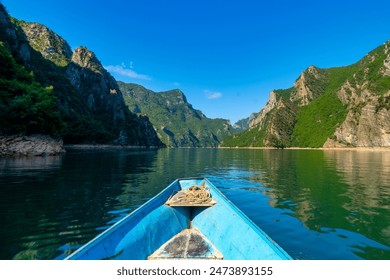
25 106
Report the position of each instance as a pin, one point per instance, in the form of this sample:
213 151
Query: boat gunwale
121 221
247 220
232 207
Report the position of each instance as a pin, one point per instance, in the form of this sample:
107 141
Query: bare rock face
368 120
103 96
367 127
281 122
48 43
34 145
98 88
8 34
6 24
386 63
331 143
302 94
87 59
304 91
271 103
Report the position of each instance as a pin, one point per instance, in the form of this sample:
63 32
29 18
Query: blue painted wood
233 233
146 229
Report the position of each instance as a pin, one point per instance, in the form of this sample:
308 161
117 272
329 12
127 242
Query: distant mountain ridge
177 123
336 107
244 124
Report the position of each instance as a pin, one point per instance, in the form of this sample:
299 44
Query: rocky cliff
32 145
367 98
46 42
244 124
89 101
337 107
177 123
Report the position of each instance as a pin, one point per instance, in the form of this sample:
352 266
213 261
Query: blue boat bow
158 231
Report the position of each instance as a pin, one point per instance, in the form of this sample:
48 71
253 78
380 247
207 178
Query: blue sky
226 56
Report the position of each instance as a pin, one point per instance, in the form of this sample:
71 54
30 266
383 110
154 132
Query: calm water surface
315 204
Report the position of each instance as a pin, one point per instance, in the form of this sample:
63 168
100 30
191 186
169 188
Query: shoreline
105 146
378 149
19 145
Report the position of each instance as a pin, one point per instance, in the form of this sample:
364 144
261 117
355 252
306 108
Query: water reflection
367 175
29 164
308 201
334 189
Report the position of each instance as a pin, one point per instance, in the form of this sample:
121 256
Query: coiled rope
198 195
194 195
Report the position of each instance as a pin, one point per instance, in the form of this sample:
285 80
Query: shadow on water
315 204
64 202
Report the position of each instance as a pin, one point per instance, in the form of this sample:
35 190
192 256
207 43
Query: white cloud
212 94
122 70
130 66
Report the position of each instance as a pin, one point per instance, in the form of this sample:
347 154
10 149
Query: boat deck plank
188 244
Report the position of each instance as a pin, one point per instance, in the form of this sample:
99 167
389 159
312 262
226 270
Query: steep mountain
337 107
89 102
244 124
177 123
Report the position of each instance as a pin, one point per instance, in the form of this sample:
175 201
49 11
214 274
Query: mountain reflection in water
315 204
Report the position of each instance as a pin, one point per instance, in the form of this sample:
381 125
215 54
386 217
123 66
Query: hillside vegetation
177 123
317 121
344 106
26 107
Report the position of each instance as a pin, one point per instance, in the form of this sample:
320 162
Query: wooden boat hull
144 231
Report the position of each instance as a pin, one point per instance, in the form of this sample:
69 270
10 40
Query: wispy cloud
122 70
212 94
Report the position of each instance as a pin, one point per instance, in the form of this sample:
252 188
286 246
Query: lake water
315 204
